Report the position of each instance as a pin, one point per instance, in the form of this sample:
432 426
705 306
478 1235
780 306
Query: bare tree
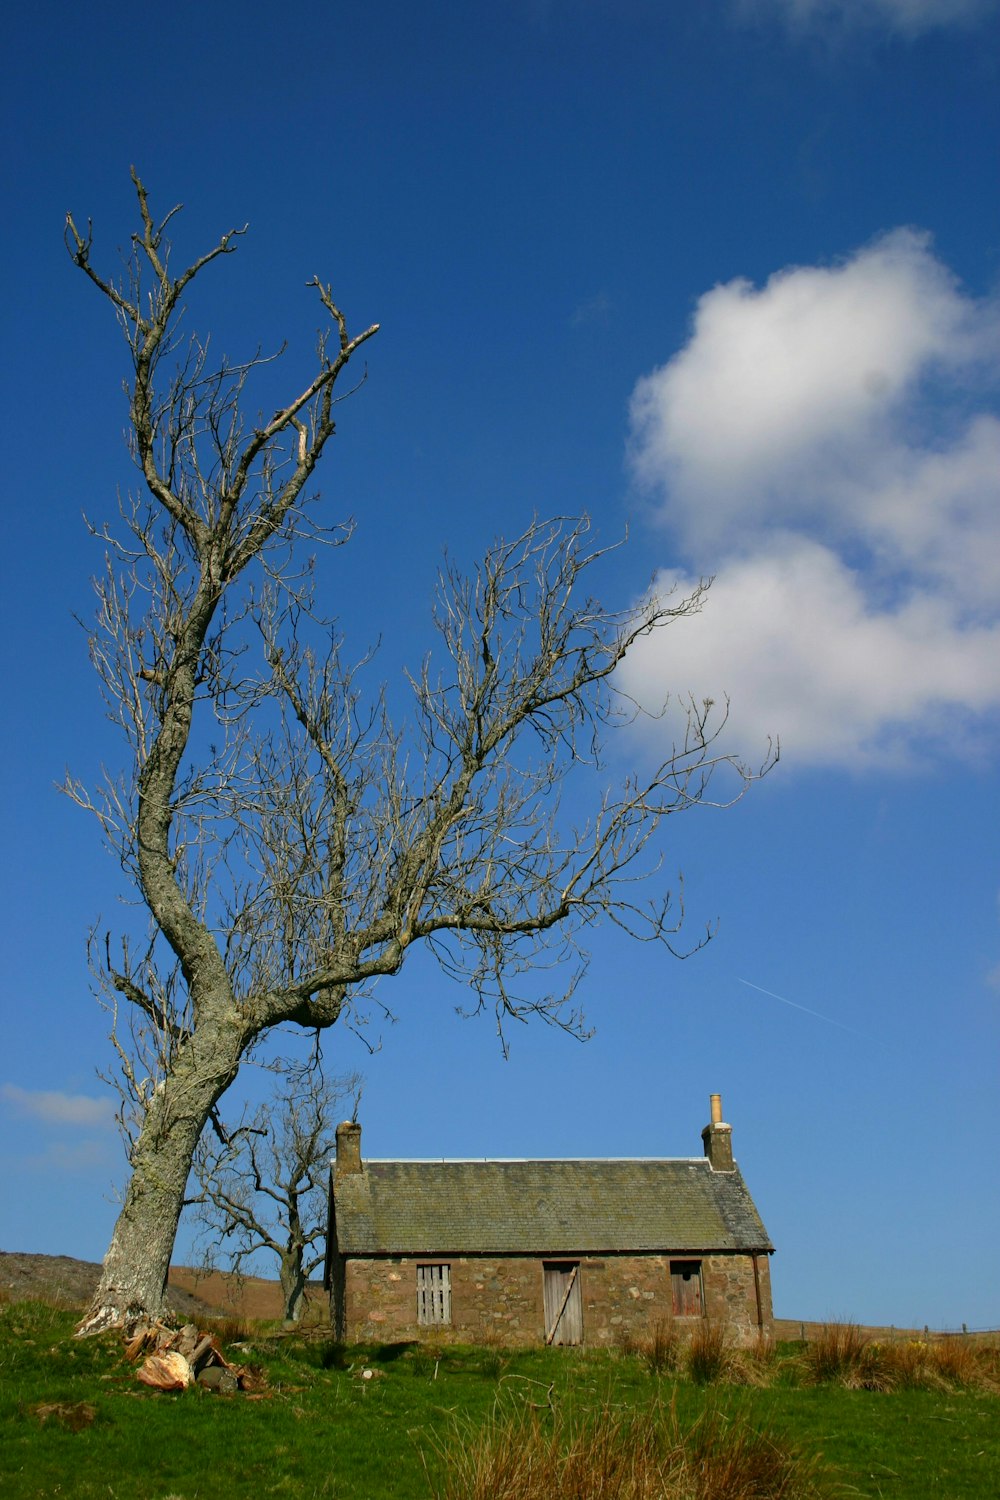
263 1185
289 841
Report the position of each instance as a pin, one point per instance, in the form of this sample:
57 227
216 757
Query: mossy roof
544 1208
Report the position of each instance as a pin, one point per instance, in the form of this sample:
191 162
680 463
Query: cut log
166 1372
205 1353
186 1341
146 1335
136 1344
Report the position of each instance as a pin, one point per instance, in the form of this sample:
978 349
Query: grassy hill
409 1422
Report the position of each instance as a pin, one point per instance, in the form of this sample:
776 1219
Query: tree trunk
134 1277
293 1284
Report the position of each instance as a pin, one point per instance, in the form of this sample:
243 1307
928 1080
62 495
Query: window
433 1295
685 1288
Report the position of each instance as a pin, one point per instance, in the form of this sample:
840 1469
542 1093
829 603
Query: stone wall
623 1296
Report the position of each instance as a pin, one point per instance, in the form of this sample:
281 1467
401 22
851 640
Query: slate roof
547 1208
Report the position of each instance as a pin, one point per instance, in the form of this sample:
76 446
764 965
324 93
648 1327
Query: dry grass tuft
756 1365
494 1343
627 1342
843 1355
835 1355
623 1456
709 1356
231 1328
988 1365
959 1362
732 1460
661 1352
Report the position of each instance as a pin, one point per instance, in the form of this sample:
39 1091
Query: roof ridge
479 1161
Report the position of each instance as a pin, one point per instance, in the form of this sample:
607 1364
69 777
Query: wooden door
685 1288
563 1302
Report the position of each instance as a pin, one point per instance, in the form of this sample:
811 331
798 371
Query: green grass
322 1431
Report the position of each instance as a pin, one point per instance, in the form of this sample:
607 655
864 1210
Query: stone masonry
623 1296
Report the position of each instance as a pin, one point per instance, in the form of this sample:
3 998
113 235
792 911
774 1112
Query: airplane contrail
795 1006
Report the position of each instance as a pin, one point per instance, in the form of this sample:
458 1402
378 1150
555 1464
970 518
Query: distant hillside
197 1294
192 1293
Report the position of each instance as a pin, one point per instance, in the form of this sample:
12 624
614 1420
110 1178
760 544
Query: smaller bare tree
262 1186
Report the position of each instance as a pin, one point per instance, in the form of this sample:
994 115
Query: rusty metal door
563 1302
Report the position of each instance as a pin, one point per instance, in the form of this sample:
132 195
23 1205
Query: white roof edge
409 1161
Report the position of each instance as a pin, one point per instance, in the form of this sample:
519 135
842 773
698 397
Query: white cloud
910 17
56 1108
937 513
817 445
783 393
791 638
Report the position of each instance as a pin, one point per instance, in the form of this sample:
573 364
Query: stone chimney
349 1148
718 1139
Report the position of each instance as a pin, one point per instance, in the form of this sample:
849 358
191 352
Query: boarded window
685 1288
433 1295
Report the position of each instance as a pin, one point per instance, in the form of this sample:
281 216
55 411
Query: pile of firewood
177 1358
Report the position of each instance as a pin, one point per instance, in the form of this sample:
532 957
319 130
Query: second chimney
349 1148
718 1139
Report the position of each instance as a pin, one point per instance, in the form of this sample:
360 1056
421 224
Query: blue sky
722 274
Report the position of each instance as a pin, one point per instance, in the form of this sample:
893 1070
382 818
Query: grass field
317 1428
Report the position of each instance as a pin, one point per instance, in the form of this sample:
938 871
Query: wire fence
794 1328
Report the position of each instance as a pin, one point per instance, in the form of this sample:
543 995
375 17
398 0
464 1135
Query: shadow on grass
387 1354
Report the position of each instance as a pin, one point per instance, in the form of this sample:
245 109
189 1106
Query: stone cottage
560 1252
